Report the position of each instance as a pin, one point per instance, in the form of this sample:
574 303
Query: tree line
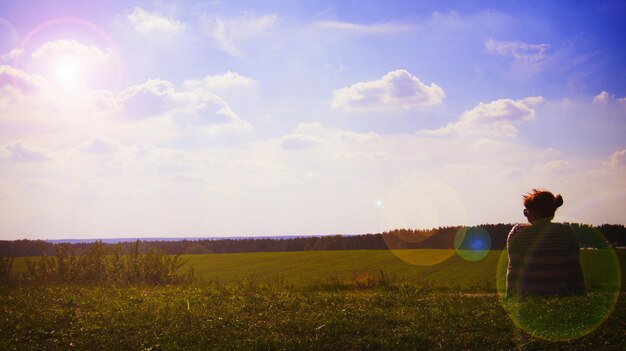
435 238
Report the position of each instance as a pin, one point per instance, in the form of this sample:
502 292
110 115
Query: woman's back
544 260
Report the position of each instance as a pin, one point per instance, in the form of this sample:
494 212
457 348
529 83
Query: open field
312 267
320 300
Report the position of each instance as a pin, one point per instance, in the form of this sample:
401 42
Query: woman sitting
544 257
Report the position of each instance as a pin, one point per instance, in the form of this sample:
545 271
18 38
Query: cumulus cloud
12 55
381 28
187 108
218 82
71 65
298 142
149 99
618 158
206 109
496 118
14 78
150 23
99 146
604 98
63 47
396 90
154 111
20 152
227 34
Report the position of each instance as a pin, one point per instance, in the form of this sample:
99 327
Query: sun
68 72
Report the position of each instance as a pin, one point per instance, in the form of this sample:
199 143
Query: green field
441 269
321 300
312 267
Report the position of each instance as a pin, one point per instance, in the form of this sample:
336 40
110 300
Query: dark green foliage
436 238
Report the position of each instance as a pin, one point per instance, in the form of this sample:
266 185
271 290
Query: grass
319 300
312 267
258 317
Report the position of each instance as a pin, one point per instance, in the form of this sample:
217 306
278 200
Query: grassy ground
257 317
320 300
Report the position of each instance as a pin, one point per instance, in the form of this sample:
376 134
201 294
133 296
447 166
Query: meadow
321 300
442 269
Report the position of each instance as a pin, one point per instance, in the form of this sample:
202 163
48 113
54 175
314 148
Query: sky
247 118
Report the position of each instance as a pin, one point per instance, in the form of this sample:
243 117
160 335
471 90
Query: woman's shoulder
517 228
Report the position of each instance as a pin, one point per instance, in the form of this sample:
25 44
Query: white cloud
298 141
396 90
323 133
218 82
205 109
71 66
382 28
20 152
13 78
64 47
227 34
604 98
12 55
150 23
34 110
519 50
149 99
186 108
618 158
557 166
497 118
99 146
528 59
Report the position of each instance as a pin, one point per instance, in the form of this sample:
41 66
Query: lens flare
569 317
421 203
9 38
472 243
69 74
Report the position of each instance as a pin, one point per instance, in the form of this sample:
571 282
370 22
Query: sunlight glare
67 72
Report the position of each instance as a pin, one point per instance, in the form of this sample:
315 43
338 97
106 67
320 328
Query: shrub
100 264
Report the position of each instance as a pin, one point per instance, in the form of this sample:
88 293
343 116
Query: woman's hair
543 202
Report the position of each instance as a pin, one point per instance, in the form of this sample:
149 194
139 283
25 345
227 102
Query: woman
544 257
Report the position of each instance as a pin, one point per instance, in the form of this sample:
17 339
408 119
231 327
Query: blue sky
196 118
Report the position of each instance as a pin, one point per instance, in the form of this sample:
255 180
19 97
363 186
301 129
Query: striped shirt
544 259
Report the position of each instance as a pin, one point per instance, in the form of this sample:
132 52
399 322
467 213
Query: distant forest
436 238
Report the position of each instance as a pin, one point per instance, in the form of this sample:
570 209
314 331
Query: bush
100 264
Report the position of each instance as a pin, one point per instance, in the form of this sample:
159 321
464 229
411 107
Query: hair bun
558 201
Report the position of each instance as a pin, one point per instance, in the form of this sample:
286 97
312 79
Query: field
312 267
441 269
320 300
